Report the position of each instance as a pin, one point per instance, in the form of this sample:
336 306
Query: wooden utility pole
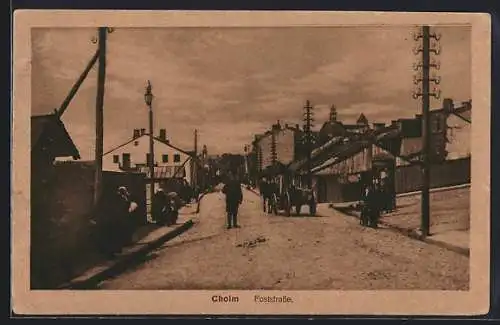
148 98
195 169
426 180
425 93
99 114
274 153
308 140
77 84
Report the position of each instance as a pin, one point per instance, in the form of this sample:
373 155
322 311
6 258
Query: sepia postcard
250 163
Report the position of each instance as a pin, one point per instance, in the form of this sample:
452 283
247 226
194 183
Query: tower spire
333 113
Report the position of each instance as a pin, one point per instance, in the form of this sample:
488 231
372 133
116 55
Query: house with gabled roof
170 161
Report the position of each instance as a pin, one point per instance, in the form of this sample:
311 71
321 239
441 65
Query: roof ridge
155 138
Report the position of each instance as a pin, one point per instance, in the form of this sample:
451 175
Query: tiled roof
344 151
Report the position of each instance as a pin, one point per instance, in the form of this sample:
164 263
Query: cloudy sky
231 83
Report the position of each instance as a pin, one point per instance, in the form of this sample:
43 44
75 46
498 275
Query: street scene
256 158
326 252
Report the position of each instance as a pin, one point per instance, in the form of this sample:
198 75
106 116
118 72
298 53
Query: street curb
413 234
198 203
123 262
432 190
436 189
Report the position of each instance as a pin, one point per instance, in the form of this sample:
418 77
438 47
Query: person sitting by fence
159 207
128 210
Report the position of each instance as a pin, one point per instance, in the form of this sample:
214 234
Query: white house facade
169 160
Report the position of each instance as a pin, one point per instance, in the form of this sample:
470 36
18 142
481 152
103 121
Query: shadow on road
193 240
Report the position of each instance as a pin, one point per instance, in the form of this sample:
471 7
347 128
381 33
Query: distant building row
345 151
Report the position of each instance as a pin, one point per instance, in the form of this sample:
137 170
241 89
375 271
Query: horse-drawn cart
284 195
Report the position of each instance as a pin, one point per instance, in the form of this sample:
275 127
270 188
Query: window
438 123
177 158
126 160
164 158
116 159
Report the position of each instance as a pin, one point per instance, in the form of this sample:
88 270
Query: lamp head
148 96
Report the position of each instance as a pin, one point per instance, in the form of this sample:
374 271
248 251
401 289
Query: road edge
412 233
124 261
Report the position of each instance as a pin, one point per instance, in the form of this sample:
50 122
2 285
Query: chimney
136 134
163 134
143 131
297 126
468 104
448 105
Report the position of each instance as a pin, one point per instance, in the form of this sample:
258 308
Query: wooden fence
62 236
335 189
449 173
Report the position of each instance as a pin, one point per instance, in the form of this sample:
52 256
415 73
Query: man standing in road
234 197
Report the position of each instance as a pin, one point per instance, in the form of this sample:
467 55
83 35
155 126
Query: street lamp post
148 98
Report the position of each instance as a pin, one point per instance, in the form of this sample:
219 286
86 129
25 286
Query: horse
269 193
300 197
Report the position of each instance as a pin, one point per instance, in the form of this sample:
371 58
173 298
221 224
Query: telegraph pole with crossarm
425 50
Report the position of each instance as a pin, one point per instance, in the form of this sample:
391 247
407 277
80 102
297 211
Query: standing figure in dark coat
234 197
272 189
375 201
370 212
391 193
264 192
365 209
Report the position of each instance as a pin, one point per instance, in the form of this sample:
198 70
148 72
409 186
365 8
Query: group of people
378 197
165 208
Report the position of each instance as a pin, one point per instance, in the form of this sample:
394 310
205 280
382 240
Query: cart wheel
275 205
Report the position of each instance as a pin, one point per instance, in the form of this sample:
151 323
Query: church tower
333 114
